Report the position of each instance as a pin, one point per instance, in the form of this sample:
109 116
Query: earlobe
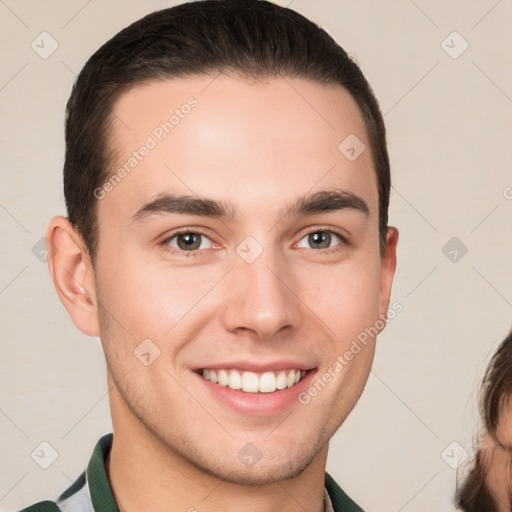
387 269
72 274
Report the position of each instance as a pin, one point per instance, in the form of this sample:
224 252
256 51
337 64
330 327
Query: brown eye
188 241
321 239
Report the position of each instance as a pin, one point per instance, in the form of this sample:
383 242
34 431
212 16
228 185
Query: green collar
101 493
341 502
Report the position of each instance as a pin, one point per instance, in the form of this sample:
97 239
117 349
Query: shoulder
42 506
75 497
70 499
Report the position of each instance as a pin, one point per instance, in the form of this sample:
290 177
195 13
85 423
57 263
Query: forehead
254 141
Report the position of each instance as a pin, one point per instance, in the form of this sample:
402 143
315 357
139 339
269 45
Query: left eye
320 239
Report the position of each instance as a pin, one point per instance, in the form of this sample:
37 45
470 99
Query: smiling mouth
253 382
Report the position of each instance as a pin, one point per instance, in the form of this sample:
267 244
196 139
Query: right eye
186 241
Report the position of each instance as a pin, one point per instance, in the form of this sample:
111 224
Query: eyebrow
319 202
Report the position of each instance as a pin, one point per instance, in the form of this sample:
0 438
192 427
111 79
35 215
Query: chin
265 474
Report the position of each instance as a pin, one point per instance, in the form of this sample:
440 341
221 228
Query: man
227 186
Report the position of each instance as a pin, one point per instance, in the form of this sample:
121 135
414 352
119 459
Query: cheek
150 299
497 477
346 298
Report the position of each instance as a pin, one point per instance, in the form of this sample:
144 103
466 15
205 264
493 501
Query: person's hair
495 394
248 38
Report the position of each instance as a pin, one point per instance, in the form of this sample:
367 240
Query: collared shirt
91 492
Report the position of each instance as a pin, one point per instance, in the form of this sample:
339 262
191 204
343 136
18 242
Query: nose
261 300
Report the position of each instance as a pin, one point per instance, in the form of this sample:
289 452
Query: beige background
449 124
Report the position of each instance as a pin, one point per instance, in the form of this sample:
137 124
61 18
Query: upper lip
271 366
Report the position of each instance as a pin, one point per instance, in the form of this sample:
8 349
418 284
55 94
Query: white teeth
251 382
235 379
223 378
267 382
281 380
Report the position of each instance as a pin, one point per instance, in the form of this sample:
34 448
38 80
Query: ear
387 270
72 274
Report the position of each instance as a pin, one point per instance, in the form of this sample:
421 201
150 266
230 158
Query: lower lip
258 404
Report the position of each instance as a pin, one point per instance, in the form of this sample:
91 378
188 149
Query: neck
146 474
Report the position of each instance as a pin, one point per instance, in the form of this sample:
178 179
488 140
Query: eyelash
165 243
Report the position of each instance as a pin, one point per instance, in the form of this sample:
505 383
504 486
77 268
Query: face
498 460
267 274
